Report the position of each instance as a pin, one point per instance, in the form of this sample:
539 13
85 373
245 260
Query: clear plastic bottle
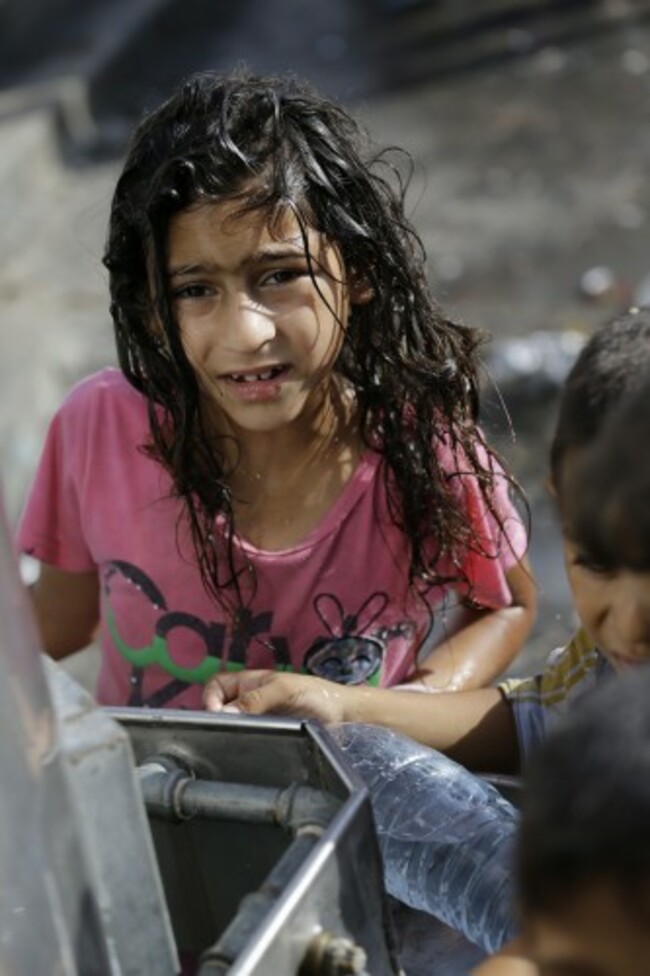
446 836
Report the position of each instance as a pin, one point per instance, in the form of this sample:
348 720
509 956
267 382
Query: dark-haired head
607 493
272 144
613 365
587 804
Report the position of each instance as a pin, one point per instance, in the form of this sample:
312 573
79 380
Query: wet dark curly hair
273 143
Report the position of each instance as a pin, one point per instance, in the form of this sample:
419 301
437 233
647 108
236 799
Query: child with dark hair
498 728
286 471
584 861
611 594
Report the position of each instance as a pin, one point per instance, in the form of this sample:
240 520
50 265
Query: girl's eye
282 276
192 292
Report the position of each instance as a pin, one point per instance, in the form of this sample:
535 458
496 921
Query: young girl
286 471
608 567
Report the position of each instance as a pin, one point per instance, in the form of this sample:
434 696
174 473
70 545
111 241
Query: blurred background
528 125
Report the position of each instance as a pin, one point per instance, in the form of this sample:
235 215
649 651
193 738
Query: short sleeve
498 537
507 528
500 528
540 701
51 527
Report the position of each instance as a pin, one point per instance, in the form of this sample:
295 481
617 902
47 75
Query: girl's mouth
263 376
258 386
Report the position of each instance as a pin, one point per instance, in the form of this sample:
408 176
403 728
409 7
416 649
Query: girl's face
261 311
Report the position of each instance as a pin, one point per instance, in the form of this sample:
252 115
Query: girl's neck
271 460
286 481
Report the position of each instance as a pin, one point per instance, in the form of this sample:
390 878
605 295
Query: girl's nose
250 325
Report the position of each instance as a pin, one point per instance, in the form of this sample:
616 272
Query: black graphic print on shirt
348 652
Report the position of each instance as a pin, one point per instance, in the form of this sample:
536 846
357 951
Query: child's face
613 603
594 934
613 606
261 331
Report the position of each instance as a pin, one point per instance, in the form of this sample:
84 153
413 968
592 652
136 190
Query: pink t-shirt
337 604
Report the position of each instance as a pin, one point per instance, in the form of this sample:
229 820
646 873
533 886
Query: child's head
610 490
613 363
611 586
584 849
272 145
271 150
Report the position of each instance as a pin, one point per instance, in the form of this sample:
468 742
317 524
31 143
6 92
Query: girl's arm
67 609
476 728
487 643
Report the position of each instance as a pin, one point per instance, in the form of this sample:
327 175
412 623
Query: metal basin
265 845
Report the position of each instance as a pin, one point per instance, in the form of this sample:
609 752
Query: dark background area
527 122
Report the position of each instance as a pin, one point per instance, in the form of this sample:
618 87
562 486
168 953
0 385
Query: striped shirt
540 702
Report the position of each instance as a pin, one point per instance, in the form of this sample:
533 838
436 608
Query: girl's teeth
255 377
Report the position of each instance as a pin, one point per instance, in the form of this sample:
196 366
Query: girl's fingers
225 689
253 692
274 693
297 695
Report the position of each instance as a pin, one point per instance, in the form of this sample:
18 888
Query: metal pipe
171 793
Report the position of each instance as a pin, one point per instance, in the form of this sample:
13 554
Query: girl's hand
276 693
